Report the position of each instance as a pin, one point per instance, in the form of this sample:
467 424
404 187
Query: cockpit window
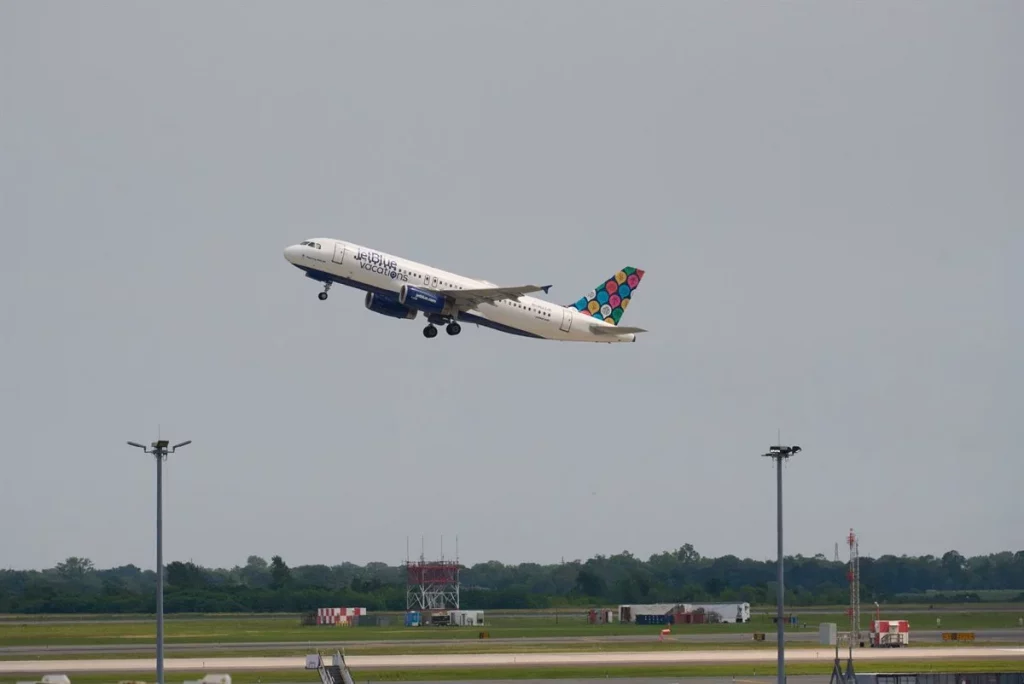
318 245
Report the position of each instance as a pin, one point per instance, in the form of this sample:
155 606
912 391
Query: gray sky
826 198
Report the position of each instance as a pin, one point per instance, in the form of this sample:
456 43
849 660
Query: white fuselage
335 261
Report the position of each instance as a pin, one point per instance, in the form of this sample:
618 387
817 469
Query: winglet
545 288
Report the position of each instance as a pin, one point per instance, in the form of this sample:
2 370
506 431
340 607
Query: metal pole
782 586
778 454
159 568
159 450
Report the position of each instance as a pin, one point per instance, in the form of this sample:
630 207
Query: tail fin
609 300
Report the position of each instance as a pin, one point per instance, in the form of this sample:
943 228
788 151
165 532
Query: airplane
403 289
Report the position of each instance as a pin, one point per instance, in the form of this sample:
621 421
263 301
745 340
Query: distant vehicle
400 288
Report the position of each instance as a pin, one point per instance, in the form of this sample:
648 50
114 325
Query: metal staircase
335 673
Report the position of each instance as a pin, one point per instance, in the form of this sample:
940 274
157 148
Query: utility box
827 634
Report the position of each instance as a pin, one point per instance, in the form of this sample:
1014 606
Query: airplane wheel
430 331
454 328
322 296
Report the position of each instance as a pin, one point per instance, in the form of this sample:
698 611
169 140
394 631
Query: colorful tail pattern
609 300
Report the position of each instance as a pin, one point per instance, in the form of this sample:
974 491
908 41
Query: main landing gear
453 328
323 295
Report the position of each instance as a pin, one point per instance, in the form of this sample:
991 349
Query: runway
490 660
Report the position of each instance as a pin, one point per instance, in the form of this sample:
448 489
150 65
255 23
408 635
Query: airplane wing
614 329
467 299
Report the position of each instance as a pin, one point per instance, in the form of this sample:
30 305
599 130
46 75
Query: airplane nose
291 253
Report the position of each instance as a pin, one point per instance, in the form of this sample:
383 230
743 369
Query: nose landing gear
323 295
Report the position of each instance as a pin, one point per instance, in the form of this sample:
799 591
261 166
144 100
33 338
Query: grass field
566 613
674 671
277 628
272 629
408 648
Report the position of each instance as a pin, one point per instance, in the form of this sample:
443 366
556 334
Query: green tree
255 573
280 575
75 568
185 575
590 583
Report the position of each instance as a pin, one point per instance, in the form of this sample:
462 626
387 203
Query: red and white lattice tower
432 585
853 575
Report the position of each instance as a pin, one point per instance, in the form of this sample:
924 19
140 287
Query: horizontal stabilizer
614 329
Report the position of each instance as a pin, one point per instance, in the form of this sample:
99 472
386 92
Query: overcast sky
826 197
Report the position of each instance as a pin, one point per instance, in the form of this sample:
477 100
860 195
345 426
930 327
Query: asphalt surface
792 679
1007 636
873 658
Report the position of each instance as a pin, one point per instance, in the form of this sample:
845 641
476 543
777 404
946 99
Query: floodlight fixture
782 451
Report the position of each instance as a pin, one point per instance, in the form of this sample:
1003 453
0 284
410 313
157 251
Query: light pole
160 451
778 454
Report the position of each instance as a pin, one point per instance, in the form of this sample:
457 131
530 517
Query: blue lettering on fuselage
375 262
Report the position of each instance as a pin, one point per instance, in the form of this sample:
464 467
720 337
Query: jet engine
427 301
388 306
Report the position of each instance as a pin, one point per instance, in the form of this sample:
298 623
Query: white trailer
466 618
729 612
628 612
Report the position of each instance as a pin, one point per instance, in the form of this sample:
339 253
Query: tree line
683 575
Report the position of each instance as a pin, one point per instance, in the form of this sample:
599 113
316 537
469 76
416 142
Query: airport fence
943 678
